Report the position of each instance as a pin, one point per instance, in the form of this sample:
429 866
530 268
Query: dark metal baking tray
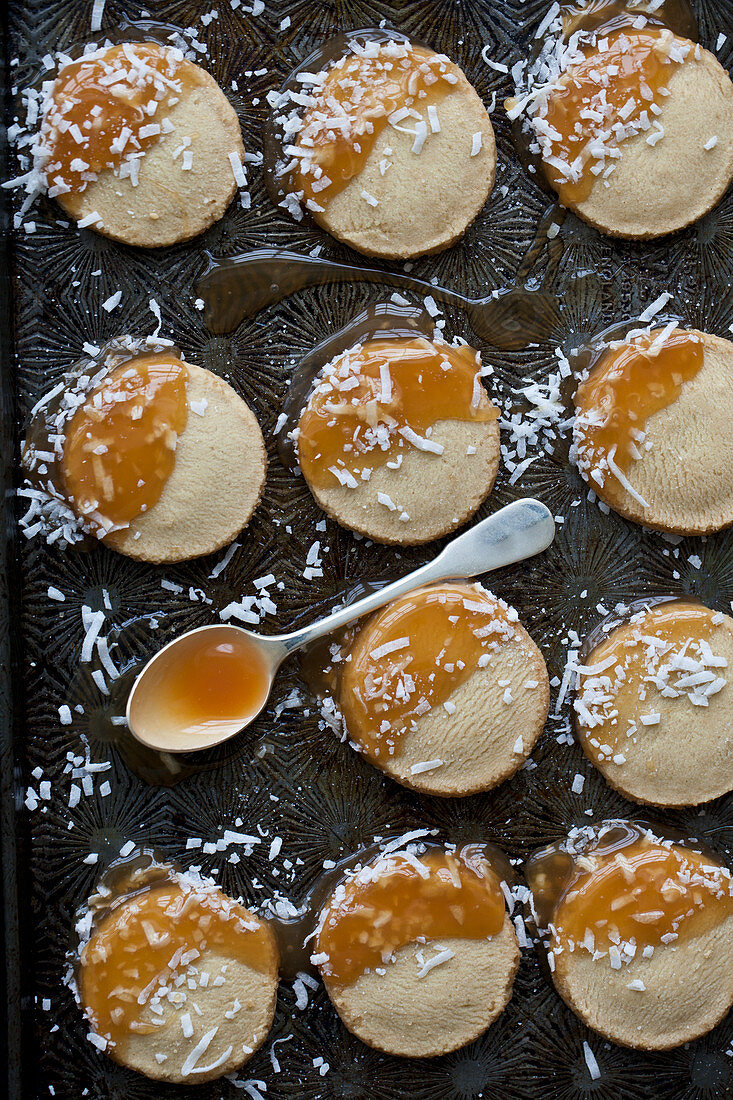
328 801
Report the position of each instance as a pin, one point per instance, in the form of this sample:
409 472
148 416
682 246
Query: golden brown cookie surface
215 484
412 160
417 952
444 690
147 179
661 188
656 717
636 133
179 981
640 940
399 440
661 454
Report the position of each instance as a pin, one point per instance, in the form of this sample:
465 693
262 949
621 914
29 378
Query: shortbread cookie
417 951
143 145
399 440
395 152
179 982
652 430
640 934
636 130
159 458
444 690
653 707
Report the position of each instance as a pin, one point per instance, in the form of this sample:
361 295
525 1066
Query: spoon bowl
209 684
192 694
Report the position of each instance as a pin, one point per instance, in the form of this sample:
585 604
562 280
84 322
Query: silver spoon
519 531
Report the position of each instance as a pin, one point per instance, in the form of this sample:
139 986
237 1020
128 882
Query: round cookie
449 1008
216 483
640 933
688 989
159 458
430 995
682 479
424 493
403 203
659 189
185 179
656 152
483 721
658 720
198 1019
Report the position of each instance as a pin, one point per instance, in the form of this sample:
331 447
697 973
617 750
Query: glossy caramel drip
611 704
352 108
586 119
625 388
645 892
591 14
390 904
107 107
373 393
217 679
411 657
150 938
120 445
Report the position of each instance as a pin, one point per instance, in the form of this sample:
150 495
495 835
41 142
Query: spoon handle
516 532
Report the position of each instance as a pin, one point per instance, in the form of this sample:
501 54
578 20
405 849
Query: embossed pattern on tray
286 773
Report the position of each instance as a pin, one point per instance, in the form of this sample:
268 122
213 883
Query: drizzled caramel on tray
644 892
107 107
153 937
402 899
609 704
625 388
590 14
599 102
353 106
120 445
412 656
371 402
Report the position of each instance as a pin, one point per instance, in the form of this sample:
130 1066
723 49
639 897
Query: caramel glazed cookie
443 689
138 143
416 949
633 125
652 434
653 709
160 459
399 440
639 933
390 149
177 980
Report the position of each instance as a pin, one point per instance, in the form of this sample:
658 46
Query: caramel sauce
641 893
636 66
391 904
411 656
215 680
352 108
627 386
120 445
589 15
681 626
673 621
148 939
375 391
511 318
107 107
